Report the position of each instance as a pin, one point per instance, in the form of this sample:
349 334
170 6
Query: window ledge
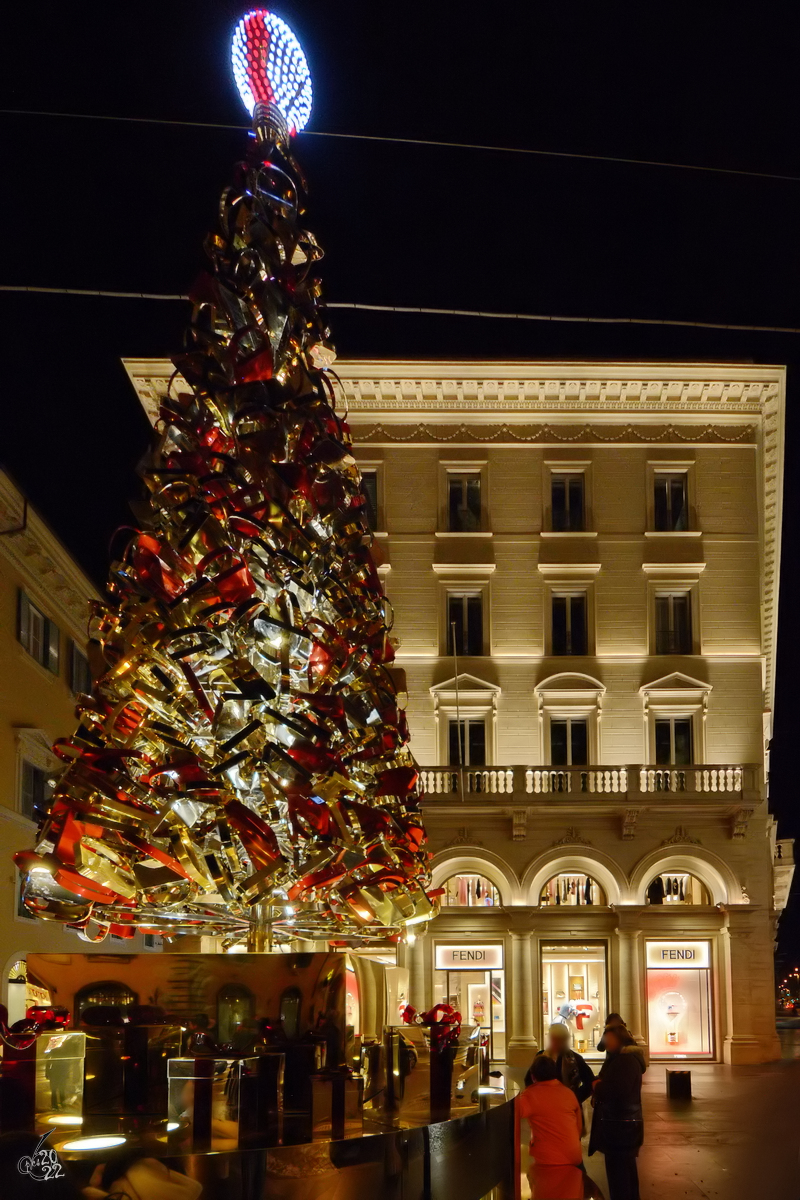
569 533
673 533
45 672
478 533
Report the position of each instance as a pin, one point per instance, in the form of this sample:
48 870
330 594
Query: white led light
172 1126
64 1119
269 65
94 1143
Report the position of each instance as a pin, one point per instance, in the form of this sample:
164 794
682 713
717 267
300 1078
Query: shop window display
679 999
572 889
676 887
470 891
574 991
475 986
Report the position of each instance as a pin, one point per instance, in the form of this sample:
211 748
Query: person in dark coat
573 1069
618 1125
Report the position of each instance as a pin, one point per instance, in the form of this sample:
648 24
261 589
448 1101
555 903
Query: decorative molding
556 569
36 747
426 432
47 571
519 824
681 837
739 823
629 820
572 838
488 388
463 837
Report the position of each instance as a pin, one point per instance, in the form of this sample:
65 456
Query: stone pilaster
749 1034
522 1041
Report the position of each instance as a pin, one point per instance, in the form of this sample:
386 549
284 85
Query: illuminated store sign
469 958
676 956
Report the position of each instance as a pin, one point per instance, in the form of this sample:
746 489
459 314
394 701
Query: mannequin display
655 892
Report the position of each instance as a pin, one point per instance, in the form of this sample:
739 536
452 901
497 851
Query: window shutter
23 624
52 640
27 792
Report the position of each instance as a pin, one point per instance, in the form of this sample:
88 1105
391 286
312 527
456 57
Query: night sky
125 207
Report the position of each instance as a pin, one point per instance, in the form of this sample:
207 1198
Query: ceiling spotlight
94 1143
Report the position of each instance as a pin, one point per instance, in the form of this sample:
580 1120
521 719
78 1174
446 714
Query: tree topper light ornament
270 68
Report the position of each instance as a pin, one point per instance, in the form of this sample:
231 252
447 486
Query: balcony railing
629 782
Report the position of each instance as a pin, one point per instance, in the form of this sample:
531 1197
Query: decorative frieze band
562 434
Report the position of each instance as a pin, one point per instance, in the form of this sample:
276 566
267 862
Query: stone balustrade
639 783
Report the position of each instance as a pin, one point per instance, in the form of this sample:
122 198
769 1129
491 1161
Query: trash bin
679 1085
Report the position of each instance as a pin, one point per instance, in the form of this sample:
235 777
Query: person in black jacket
573 1069
618 1126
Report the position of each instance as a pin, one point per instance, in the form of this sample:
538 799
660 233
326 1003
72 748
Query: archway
712 872
477 864
574 861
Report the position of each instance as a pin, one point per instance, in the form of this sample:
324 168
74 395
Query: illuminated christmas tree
242 762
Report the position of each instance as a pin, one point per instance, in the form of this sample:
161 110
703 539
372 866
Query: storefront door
574 991
679 1007
472 980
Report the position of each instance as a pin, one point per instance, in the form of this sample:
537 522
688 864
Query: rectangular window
470 732
674 741
369 490
674 623
569 742
463 502
37 633
569 623
670 502
465 618
80 677
34 791
566 503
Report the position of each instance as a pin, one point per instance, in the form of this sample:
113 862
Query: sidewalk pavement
738 1138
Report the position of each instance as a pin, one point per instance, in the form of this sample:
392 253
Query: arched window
676 887
470 891
109 994
235 1004
572 888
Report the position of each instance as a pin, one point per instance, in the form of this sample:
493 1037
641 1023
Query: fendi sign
677 955
469 958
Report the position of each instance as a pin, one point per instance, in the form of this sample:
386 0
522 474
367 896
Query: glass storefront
574 992
679 1006
472 979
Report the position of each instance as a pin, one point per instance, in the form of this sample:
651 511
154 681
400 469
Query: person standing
618 1125
573 1069
554 1114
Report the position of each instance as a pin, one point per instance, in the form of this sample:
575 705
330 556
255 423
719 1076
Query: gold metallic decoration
243 748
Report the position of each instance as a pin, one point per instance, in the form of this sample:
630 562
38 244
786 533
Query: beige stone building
44 599
583 560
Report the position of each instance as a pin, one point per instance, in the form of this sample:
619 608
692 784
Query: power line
407 141
431 312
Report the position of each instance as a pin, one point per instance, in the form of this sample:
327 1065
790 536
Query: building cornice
50 575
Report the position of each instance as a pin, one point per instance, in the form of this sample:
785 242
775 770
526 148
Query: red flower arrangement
442 1022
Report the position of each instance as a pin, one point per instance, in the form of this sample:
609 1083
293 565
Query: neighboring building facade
44 599
599 545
